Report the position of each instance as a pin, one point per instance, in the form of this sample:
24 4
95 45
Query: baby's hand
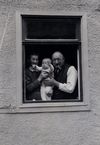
34 66
38 68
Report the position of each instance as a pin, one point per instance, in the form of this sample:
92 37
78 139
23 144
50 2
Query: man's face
34 59
57 60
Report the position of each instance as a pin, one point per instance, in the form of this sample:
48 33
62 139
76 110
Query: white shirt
70 84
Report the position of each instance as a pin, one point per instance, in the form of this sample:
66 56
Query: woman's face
34 59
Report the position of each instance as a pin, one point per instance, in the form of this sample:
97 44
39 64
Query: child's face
46 62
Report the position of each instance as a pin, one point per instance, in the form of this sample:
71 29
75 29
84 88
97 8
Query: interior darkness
46 50
51 27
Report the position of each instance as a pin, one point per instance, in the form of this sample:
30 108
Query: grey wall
71 128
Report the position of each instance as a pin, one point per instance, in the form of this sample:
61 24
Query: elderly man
65 78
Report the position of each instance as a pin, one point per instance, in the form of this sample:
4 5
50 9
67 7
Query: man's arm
71 81
70 84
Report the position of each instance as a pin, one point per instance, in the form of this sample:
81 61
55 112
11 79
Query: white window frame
53 106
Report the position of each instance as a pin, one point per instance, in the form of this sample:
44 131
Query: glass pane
46 51
51 27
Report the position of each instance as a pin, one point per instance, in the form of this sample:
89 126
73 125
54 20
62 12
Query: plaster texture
62 128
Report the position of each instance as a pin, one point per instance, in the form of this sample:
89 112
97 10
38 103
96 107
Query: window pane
44 51
51 27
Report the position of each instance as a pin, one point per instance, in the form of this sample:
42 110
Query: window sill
47 107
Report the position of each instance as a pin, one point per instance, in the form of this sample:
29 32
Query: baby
47 91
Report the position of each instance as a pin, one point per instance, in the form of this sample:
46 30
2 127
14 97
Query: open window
43 34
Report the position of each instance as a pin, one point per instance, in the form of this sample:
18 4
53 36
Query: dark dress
32 85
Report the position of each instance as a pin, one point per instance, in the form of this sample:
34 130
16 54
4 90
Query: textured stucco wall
71 128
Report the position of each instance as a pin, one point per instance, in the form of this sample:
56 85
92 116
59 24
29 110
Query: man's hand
51 82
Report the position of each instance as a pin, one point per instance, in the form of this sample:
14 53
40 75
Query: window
44 34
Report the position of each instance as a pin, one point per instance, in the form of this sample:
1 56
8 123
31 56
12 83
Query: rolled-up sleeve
71 79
